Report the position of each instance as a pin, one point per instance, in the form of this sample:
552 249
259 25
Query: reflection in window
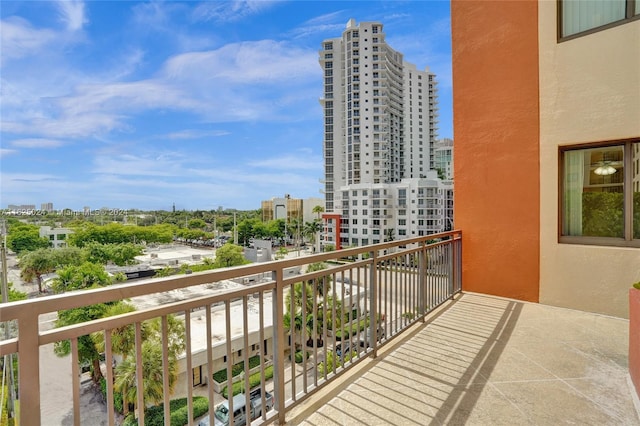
578 16
599 197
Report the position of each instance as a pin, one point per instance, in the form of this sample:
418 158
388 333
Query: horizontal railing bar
14 310
333 270
8 346
116 321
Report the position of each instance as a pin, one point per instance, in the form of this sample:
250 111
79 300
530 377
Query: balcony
436 356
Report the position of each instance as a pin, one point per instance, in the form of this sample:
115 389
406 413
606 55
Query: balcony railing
339 316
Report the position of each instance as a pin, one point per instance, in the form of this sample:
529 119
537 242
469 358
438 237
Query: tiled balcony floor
489 361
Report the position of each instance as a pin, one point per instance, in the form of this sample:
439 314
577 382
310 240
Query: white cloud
18 38
230 11
5 151
72 14
37 143
196 134
245 63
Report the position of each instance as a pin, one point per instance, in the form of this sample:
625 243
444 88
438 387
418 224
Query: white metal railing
344 313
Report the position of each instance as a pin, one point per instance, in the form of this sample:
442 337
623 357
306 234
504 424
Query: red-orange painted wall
496 145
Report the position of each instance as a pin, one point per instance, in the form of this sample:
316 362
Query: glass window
600 192
579 16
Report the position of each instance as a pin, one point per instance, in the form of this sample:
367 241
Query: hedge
154 416
254 380
221 375
359 326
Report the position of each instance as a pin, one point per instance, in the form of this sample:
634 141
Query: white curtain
573 187
582 15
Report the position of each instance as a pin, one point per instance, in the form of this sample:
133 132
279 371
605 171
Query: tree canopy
229 255
35 264
25 238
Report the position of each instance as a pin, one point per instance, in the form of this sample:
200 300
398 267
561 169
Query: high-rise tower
380 116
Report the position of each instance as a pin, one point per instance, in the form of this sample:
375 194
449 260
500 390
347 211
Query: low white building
57 236
374 213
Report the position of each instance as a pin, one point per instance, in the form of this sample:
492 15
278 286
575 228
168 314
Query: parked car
240 411
366 339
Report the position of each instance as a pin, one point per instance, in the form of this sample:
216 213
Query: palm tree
295 317
322 284
318 210
151 361
122 340
312 230
152 375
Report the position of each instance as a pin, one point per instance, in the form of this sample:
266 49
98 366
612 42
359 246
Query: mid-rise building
443 155
46 207
289 208
380 129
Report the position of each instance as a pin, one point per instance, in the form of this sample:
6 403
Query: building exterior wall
589 92
57 236
496 131
537 95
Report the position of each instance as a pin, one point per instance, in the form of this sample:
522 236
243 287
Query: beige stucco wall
589 92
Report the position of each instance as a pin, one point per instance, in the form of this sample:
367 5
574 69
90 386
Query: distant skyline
140 105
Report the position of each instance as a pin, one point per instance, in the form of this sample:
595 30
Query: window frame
630 16
627 240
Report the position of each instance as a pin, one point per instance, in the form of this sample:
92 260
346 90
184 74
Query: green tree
318 210
34 264
152 375
80 277
312 231
275 229
25 238
120 254
301 295
229 255
87 351
151 360
196 224
322 284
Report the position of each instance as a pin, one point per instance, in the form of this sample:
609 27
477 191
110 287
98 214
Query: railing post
278 341
373 302
422 282
29 370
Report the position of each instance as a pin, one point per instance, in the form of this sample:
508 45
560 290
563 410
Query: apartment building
547 149
380 118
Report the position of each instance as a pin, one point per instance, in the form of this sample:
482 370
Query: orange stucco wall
496 134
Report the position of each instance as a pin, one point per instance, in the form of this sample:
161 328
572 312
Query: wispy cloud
196 134
5 151
230 11
72 14
37 143
18 38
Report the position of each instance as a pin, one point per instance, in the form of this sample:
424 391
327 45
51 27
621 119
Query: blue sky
202 104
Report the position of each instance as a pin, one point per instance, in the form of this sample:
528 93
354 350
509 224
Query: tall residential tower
380 118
